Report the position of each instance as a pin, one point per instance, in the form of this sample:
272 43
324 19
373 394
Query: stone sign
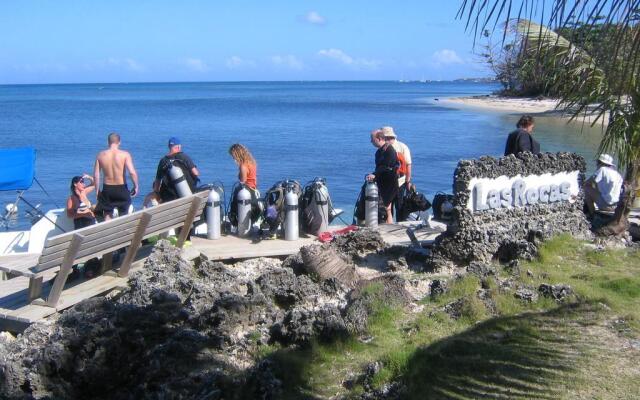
519 191
503 206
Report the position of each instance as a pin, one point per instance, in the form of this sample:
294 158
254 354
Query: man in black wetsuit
162 184
112 165
521 139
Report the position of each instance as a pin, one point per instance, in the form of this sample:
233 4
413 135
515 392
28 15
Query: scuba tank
371 205
212 214
243 200
291 227
178 181
321 196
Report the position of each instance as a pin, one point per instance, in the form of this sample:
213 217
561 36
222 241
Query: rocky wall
508 233
183 330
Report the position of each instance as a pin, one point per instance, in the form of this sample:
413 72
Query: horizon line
251 81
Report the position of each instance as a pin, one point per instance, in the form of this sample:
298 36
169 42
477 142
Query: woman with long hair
247 167
78 204
247 175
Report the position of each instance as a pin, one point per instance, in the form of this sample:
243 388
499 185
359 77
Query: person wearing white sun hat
603 188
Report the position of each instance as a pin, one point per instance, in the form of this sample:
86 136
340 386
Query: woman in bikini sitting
78 204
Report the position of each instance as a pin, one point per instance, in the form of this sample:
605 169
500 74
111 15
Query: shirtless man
114 193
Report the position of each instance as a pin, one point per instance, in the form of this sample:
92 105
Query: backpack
167 190
443 206
409 201
401 169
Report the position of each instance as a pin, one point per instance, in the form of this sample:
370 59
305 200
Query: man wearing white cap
603 187
404 169
404 174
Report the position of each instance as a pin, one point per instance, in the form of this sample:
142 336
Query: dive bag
442 206
409 200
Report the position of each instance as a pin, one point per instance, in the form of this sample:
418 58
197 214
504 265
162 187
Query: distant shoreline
519 105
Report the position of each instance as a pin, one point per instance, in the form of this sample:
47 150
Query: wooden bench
61 252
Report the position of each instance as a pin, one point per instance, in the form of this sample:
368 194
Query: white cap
606 159
388 132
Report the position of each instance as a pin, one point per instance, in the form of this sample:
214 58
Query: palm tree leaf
602 84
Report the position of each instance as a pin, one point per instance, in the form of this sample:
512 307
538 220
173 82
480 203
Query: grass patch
520 356
624 287
611 276
560 248
514 349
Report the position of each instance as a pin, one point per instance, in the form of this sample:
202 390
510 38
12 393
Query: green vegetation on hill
479 340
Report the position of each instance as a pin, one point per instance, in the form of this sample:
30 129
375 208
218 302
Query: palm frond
606 84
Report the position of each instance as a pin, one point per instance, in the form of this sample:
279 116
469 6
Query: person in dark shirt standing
162 184
385 172
521 139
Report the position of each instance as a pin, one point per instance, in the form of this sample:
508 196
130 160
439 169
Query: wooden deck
231 247
16 313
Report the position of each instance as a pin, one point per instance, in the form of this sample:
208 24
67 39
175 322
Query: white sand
517 105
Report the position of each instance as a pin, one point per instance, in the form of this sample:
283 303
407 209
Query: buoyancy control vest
316 206
360 207
167 190
256 204
275 204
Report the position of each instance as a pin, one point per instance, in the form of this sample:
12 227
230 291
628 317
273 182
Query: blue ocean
295 130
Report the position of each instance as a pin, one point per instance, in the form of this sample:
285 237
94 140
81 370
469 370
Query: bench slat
164 227
89 230
60 242
115 239
158 221
93 237
172 205
161 226
179 210
15 263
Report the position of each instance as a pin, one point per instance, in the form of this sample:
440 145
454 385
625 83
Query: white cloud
125 63
343 58
47 67
287 61
196 64
314 18
446 57
336 54
234 62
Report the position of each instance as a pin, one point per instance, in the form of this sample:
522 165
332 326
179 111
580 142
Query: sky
92 41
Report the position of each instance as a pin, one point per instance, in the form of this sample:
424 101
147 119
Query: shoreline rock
184 329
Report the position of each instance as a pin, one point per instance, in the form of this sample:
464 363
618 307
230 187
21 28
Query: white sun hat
388 132
606 159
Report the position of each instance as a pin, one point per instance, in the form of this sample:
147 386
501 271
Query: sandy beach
518 105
